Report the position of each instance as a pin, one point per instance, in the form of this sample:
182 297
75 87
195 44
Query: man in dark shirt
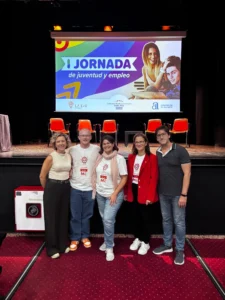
174 179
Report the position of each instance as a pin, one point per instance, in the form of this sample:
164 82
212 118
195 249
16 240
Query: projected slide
118 76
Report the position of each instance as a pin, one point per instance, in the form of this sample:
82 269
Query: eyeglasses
84 135
141 142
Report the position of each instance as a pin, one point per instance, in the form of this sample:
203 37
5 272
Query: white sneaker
56 255
144 248
67 250
135 245
103 247
109 254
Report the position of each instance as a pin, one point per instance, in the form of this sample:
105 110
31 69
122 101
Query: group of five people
73 177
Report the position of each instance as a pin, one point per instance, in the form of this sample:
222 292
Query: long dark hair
147 147
110 139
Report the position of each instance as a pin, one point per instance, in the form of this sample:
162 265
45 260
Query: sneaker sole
110 259
178 264
165 251
54 256
135 248
143 253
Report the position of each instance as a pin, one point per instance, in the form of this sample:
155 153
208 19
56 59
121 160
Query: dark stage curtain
210 95
30 101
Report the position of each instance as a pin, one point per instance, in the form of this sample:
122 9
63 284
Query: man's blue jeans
81 207
173 214
108 214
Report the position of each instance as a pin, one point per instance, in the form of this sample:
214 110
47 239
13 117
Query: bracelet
183 195
162 71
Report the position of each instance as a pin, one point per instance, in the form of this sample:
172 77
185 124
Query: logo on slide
155 105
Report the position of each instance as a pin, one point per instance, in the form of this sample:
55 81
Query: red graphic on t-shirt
84 159
83 171
105 167
136 167
103 178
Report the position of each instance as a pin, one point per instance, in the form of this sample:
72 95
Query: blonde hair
58 134
147 65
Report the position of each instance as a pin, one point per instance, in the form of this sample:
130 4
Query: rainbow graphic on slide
100 77
93 75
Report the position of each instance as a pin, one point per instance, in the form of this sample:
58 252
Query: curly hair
58 134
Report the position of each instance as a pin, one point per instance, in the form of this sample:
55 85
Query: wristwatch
183 195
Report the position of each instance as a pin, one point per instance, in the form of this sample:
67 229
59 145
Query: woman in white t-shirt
109 178
141 190
54 178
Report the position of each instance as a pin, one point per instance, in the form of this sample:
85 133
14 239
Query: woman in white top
141 190
109 178
153 70
54 178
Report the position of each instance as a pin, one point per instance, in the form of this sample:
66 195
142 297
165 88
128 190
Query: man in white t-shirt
84 158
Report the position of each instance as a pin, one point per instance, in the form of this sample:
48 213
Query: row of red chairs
179 126
111 127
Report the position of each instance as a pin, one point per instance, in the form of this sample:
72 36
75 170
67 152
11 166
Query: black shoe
179 259
163 249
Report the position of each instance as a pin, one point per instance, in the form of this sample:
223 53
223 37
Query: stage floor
42 150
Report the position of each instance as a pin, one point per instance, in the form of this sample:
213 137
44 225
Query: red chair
109 127
153 124
181 126
57 125
86 124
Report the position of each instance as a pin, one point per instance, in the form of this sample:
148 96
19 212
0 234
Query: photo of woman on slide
152 66
161 79
153 72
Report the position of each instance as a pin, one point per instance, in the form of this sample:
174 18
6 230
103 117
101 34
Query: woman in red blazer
141 190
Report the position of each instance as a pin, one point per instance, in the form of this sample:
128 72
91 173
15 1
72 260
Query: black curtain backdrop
28 55
210 97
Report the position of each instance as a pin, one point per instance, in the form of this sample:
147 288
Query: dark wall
205 210
32 95
30 63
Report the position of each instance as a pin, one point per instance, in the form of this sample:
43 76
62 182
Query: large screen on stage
124 75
